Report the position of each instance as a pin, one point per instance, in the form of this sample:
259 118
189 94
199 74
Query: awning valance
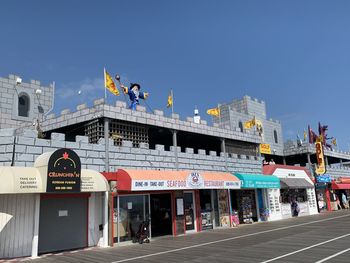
258 181
148 180
21 180
340 186
295 183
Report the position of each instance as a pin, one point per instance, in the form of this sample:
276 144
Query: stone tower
23 104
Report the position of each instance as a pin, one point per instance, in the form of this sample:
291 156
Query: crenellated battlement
28 147
120 111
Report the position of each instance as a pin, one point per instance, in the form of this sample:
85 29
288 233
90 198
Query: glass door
133 211
190 212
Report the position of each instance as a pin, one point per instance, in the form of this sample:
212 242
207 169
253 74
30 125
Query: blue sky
294 55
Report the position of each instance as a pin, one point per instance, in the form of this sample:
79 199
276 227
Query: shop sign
145 185
63 172
321 167
259 184
265 148
195 180
27 183
323 178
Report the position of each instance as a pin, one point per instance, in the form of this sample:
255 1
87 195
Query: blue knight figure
134 94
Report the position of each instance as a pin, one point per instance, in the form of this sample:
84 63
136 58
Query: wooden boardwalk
304 239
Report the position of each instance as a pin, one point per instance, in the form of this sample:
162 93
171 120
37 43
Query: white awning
21 180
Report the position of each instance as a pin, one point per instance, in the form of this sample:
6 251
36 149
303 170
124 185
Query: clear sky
294 55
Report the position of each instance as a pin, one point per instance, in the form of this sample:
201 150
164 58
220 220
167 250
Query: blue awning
258 181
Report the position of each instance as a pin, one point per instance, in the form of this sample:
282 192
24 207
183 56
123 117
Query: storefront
55 198
322 186
258 199
298 196
341 188
173 202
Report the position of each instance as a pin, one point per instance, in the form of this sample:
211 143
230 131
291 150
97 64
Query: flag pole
172 104
104 74
219 115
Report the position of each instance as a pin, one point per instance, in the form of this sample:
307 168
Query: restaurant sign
193 181
64 172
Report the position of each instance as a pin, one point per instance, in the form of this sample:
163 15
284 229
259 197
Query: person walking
295 208
338 203
344 201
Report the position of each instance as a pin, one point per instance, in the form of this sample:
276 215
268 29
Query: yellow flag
334 142
214 112
249 124
170 100
305 135
110 85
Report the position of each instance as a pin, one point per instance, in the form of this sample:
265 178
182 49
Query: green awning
258 181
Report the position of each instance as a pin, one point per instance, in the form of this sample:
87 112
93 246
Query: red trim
328 200
184 220
87 222
198 211
111 220
56 196
340 186
110 176
173 213
270 169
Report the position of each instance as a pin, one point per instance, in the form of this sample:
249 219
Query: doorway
190 212
63 223
244 203
161 216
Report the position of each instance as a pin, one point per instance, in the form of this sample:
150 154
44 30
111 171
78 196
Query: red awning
340 186
155 180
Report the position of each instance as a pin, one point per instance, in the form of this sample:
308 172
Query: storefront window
288 195
322 199
206 209
133 210
243 202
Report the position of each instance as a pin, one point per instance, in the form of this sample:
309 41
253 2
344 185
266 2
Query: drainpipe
175 149
13 150
106 136
223 150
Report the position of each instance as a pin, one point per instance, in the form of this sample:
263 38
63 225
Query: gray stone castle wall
244 110
29 147
9 92
119 111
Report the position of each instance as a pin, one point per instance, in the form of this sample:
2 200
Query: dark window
240 124
23 105
275 136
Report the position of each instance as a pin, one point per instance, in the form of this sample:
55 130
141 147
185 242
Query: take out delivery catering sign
193 181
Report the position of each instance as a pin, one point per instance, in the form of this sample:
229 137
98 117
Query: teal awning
258 181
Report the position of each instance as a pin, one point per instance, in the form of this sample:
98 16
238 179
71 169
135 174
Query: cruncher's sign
64 172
